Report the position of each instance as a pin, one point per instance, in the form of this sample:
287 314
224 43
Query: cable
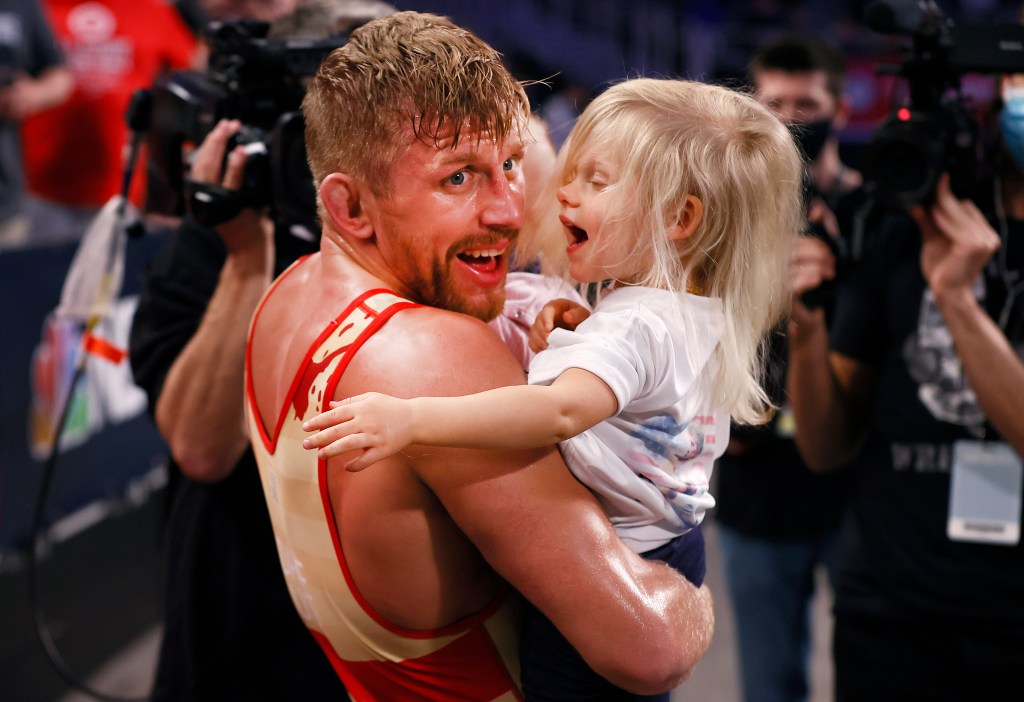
42 630
49 469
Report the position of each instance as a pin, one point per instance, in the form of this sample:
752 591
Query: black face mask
811 137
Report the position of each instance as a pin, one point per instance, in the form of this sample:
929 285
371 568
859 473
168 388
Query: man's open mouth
484 260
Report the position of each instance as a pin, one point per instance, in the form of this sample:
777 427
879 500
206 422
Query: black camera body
935 132
257 81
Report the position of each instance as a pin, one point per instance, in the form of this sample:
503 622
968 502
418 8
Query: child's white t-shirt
649 465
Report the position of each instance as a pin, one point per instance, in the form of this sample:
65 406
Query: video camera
935 132
253 79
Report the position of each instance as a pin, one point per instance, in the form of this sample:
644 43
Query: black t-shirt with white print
897 560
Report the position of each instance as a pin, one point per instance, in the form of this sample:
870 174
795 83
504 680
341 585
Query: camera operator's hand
251 233
811 265
819 214
200 412
957 242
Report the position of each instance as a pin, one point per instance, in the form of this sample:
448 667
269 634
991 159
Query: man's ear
689 218
343 201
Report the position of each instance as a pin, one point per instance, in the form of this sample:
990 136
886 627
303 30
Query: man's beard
446 298
440 291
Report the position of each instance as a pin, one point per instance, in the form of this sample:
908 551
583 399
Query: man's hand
200 409
19 99
379 425
811 264
957 242
250 231
26 96
818 213
561 313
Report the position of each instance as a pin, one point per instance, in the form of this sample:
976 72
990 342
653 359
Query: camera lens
904 160
908 167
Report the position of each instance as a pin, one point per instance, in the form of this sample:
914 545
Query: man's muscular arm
543 531
829 392
200 409
555 545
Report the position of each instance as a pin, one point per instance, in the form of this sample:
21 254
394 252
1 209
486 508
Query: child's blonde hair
675 138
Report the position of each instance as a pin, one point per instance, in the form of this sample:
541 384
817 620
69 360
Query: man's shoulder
433 333
432 323
429 351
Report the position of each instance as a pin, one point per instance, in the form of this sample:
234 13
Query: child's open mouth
577 236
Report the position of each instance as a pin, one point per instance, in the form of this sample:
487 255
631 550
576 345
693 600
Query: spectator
75 152
801 79
772 549
32 78
231 631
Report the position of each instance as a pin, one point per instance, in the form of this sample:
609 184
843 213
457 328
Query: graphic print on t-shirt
668 447
932 361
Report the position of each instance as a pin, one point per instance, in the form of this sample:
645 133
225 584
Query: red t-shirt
74 153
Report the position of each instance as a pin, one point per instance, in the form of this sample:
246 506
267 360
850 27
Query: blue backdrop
110 443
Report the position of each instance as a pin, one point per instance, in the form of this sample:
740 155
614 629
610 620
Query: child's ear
343 201
689 218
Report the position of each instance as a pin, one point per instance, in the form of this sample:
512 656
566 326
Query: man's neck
356 264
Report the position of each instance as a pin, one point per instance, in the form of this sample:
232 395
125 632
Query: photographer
231 631
920 384
771 555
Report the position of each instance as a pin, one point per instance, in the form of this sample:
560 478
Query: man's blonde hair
407 70
675 138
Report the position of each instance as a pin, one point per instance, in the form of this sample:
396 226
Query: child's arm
514 417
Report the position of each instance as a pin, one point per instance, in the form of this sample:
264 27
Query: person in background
32 78
230 631
917 383
75 152
403 572
801 79
773 549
